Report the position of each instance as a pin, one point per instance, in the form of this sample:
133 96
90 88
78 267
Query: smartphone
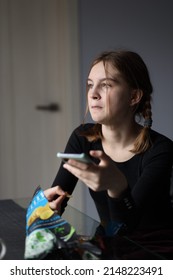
79 157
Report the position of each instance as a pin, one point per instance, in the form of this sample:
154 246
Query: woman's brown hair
136 74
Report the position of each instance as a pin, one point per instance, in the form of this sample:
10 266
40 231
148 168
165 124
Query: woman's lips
96 107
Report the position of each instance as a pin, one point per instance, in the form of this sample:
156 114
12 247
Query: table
12 232
83 224
12 225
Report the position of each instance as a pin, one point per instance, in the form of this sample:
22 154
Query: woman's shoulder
160 145
79 132
160 152
84 127
158 138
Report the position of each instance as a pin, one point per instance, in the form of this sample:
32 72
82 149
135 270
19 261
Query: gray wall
144 26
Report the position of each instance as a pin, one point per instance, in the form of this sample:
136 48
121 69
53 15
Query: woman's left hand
99 177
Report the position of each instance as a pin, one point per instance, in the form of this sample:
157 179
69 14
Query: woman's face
109 96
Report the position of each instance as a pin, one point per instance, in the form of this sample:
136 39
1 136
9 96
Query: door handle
52 107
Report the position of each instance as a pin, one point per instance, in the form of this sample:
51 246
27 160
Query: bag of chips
49 236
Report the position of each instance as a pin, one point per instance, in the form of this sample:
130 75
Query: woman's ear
136 96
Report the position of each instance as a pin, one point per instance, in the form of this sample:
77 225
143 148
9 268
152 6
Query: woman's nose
95 93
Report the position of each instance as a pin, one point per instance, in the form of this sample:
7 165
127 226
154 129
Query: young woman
129 179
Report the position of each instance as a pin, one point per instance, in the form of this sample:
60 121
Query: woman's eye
89 86
105 85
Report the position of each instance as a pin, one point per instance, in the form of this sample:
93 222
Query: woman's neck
117 142
122 136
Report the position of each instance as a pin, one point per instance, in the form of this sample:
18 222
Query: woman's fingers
75 169
51 193
56 204
96 176
78 164
100 155
55 196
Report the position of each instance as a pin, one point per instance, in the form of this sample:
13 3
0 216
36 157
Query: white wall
144 26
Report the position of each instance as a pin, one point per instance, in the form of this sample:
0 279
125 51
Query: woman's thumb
98 154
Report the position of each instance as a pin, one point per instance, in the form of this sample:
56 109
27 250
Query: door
38 67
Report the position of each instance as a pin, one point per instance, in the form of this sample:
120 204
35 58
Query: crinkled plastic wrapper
49 236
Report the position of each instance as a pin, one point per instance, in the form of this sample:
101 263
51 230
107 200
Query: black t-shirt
146 203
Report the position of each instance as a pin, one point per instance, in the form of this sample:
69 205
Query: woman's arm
64 182
148 199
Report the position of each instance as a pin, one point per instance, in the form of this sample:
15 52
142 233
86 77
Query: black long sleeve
146 203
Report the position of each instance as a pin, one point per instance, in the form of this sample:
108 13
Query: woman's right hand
55 196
